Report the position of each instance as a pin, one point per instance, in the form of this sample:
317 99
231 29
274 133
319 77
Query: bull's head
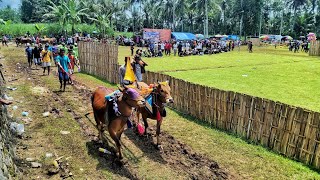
164 91
132 97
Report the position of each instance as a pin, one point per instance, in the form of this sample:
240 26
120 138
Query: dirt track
175 156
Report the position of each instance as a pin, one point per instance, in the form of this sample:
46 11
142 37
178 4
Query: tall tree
74 12
56 13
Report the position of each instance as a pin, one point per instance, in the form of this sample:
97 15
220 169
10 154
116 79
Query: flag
129 75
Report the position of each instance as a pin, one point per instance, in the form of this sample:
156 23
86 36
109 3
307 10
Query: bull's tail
92 105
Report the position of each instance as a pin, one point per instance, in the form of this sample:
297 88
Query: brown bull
22 40
48 40
161 95
107 118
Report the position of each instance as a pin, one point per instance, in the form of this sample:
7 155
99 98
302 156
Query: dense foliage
286 17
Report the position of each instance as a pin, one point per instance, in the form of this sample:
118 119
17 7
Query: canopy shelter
233 37
288 37
199 36
183 36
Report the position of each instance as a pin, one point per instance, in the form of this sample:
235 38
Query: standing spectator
72 64
46 59
180 49
138 65
162 47
33 40
122 71
151 47
187 46
168 48
250 47
5 40
29 54
175 48
61 40
156 49
131 47
63 62
69 41
38 40
143 43
55 52
36 55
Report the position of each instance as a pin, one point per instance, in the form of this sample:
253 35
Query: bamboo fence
99 59
291 131
314 48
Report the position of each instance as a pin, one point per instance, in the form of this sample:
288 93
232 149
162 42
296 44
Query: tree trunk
73 29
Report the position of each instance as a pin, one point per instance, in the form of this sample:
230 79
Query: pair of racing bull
130 100
22 40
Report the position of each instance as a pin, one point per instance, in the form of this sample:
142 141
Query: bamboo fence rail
314 48
99 59
291 131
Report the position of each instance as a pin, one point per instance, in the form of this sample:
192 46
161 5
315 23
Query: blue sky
12 3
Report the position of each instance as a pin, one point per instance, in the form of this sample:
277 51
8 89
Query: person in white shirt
175 48
70 41
156 49
187 46
162 47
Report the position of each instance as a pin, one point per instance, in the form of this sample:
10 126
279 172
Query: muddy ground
73 104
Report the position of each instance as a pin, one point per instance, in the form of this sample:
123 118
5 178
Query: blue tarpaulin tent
183 36
233 37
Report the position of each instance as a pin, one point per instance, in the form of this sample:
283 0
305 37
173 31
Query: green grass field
275 74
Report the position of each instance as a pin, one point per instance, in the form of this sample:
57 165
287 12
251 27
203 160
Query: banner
153 36
164 34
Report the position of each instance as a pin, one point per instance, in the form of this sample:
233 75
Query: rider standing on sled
139 65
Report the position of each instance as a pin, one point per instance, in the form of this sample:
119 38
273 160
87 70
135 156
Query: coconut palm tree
74 12
181 11
295 6
102 21
56 13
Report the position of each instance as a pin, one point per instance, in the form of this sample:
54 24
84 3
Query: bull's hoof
119 162
159 147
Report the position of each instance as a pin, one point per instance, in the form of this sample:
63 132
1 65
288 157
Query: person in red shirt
37 40
72 63
168 47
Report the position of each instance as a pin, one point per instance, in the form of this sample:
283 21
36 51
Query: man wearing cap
63 62
29 54
46 59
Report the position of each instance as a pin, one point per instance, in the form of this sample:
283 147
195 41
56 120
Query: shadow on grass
108 161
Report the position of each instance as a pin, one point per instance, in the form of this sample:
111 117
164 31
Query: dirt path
38 94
